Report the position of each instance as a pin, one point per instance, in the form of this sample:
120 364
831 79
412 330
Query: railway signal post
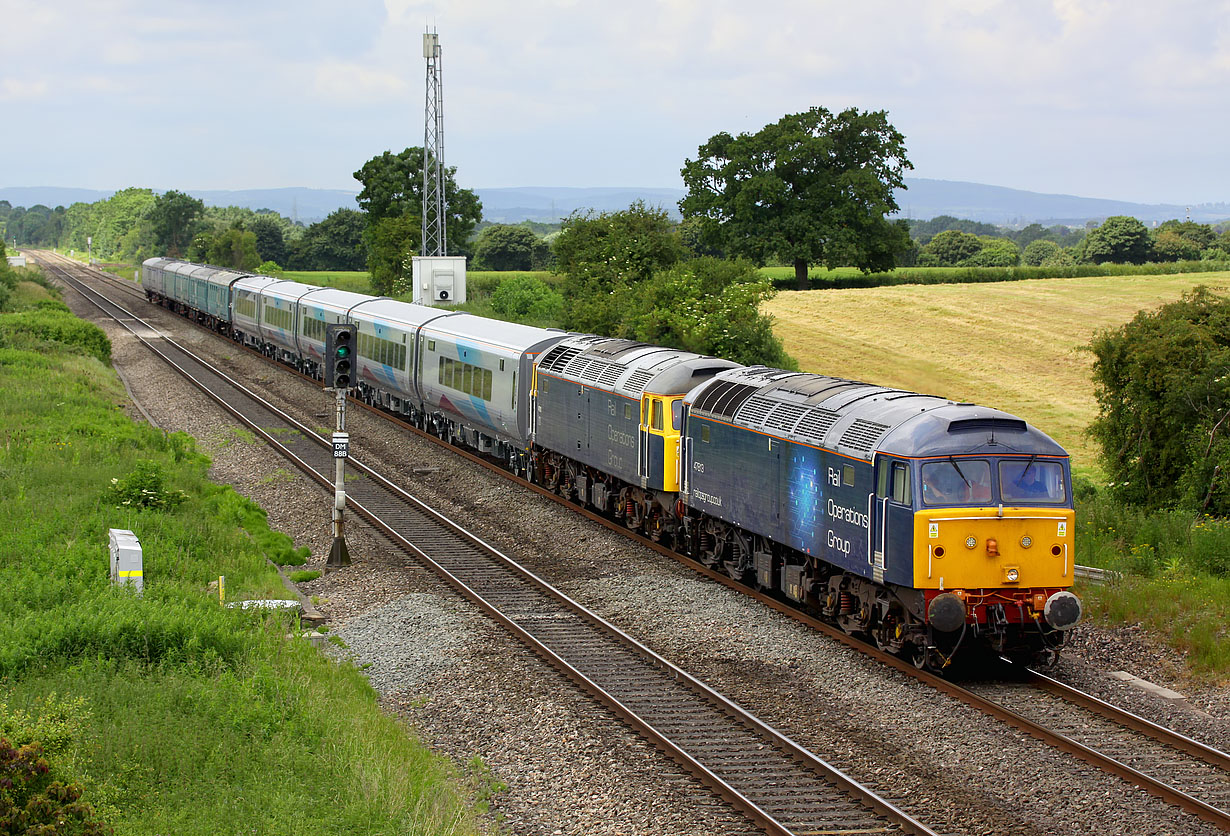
339 349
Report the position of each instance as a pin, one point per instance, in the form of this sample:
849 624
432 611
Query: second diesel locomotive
923 524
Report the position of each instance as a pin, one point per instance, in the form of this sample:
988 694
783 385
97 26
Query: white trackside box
439 279
126 559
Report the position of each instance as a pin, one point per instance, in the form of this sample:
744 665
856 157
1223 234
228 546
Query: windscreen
1031 481
956 481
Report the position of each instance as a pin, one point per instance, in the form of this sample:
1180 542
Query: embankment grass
194 718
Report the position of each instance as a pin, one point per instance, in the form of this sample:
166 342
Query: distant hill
923 199
543 203
926 199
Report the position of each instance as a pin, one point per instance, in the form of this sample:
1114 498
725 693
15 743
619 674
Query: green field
1016 346
357 281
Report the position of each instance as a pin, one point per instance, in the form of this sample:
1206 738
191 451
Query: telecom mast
435 236
438 277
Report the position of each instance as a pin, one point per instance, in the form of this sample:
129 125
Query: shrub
145 487
1163 397
52 325
1036 253
32 802
527 299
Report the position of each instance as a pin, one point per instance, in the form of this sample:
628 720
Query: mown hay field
1018 346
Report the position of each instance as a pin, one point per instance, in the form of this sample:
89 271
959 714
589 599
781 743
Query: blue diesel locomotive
920 523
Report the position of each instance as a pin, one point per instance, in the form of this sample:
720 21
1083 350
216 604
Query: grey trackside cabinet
126 562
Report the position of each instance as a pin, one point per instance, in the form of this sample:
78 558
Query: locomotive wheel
631 511
713 540
740 563
657 525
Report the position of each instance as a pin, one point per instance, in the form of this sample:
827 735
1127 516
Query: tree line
135 224
1120 239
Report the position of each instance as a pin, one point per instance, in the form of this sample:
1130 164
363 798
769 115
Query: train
924 525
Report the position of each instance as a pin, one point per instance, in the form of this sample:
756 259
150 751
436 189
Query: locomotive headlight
1026 542
971 542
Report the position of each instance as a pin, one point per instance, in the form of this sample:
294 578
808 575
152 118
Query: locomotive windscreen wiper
1028 465
958 469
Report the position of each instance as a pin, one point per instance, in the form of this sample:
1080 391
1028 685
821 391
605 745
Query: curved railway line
780 786
1182 771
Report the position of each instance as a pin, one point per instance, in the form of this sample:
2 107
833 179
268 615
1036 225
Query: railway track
777 784
1184 772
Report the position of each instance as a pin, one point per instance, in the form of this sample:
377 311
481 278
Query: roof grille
577 366
785 416
862 435
638 379
594 370
558 357
724 398
755 409
816 423
610 374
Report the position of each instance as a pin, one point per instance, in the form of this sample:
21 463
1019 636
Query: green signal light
343 351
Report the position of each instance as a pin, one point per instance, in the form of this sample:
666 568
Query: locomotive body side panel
734 476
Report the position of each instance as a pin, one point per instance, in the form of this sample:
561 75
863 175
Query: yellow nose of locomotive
986 548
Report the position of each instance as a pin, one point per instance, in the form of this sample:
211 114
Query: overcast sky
1121 100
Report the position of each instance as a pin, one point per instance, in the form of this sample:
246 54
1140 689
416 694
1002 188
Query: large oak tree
812 188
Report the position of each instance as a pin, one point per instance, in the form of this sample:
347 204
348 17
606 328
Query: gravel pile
568 766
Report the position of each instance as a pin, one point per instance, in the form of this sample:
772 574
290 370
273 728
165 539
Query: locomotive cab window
901 483
656 420
1030 480
847 475
954 481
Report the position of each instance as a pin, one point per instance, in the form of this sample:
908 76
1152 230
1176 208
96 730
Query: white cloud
352 83
1051 96
16 89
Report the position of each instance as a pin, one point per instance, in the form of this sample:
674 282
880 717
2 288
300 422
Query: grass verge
186 717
